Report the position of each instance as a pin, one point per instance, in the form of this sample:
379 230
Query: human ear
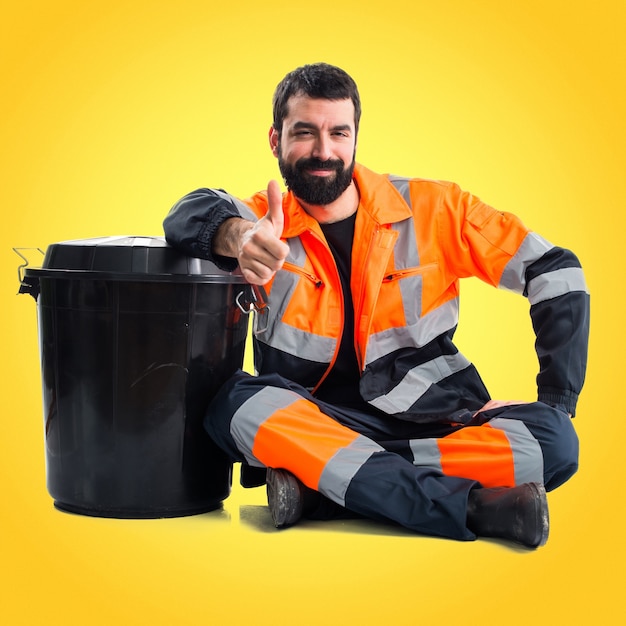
274 137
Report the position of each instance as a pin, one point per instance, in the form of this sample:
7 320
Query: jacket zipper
410 271
290 267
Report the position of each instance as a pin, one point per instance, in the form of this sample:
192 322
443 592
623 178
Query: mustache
317 164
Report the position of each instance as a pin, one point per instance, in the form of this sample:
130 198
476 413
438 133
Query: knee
559 445
553 430
563 465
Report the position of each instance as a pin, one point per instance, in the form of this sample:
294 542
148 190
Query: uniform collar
378 198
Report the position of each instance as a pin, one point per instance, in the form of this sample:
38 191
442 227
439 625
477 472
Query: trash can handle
257 302
23 266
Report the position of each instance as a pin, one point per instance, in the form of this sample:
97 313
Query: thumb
275 202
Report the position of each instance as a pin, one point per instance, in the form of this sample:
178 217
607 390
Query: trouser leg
269 421
554 432
506 446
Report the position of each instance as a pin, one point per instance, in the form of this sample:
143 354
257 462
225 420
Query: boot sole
284 497
542 517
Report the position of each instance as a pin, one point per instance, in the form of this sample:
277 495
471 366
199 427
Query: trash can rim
71 274
127 258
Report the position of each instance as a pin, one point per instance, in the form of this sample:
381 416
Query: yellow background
112 111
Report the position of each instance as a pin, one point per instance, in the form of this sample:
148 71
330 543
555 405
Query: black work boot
285 497
516 513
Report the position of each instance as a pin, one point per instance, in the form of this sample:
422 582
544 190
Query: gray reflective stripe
426 453
514 276
553 284
300 343
411 291
282 290
297 253
342 466
244 210
279 297
249 417
431 326
527 455
406 257
417 381
402 185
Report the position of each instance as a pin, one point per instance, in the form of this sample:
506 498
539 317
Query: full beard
316 190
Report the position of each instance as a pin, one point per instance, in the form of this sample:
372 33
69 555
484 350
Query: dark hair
318 80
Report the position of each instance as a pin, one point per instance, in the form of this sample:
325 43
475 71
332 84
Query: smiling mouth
316 168
319 172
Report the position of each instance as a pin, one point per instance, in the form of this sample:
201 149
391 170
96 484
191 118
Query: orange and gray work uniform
403 439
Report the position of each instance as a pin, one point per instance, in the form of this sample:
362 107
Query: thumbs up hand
261 252
275 212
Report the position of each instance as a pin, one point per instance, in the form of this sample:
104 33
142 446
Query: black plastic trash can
135 340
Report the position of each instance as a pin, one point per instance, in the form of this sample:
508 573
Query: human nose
322 149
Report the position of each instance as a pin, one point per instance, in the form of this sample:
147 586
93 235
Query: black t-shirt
341 386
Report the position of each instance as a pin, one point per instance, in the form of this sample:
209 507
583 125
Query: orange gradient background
112 111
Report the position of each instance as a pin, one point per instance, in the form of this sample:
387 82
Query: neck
344 206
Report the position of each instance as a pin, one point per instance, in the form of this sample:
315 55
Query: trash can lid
128 258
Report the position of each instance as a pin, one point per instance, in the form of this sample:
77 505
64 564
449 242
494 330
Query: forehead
319 111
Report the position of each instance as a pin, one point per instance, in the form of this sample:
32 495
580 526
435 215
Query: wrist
228 236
